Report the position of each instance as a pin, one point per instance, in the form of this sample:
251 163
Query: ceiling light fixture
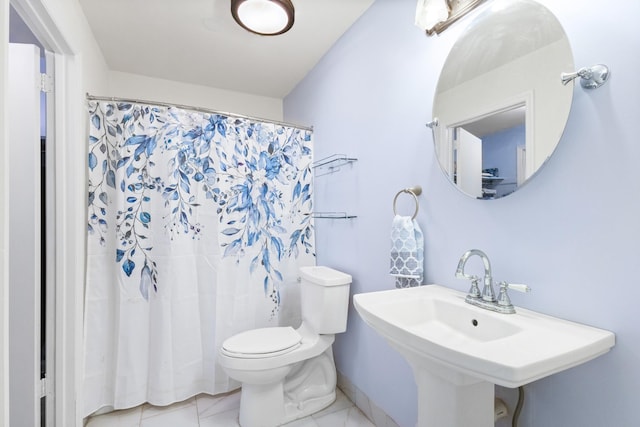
264 17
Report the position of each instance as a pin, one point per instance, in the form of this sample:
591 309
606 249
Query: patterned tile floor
222 411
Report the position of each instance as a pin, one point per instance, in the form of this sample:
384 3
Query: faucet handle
503 297
516 286
474 291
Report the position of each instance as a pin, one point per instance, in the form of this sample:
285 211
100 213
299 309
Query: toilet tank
324 294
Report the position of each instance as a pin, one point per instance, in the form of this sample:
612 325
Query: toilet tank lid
324 276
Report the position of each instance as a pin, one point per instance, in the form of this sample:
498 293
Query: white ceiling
198 42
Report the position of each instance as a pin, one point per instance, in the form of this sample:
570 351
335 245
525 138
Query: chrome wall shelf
333 215
326 166
331 164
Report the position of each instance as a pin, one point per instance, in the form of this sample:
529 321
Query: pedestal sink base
442 403
449 398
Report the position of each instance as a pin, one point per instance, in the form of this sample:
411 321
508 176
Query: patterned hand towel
407 252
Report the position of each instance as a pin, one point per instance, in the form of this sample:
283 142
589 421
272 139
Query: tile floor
222 411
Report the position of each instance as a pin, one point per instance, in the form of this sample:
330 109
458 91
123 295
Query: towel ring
415 192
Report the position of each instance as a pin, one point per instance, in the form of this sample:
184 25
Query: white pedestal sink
459 351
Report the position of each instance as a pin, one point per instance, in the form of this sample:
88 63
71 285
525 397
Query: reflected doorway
490 154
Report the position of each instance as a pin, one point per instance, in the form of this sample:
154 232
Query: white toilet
289 373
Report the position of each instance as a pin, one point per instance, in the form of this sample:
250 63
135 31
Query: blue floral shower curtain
197 225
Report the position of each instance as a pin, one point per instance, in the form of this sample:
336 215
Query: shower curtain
197 225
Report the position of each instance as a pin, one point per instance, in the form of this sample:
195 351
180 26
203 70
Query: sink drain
474 322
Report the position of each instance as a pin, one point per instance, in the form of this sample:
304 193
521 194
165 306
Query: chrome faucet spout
487 299
487 291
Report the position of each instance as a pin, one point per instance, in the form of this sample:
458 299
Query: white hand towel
431 12
407 252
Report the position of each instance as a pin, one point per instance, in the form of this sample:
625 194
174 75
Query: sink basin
452 344
506 349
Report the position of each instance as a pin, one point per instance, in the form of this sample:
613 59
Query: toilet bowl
289 373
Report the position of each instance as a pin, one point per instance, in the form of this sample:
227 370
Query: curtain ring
415 199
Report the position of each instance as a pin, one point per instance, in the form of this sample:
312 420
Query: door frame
68 211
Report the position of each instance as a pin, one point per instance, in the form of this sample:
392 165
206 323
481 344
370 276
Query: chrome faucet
487 299
487 291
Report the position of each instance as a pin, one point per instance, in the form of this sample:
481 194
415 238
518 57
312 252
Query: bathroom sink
434 327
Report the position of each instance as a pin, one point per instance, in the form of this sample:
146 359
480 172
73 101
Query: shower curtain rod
193 108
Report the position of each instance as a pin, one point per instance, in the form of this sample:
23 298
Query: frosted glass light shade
431 12
264 17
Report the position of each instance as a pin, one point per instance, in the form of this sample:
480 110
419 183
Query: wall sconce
435 16
590 78
429 13
264 17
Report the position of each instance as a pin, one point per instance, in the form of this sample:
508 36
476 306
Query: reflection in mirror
500 104
501 149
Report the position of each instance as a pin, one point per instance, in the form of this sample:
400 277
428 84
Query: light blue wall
572 233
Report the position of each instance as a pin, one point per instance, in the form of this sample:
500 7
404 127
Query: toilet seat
262 343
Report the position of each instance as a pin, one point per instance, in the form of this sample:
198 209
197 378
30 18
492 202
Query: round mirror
500 106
